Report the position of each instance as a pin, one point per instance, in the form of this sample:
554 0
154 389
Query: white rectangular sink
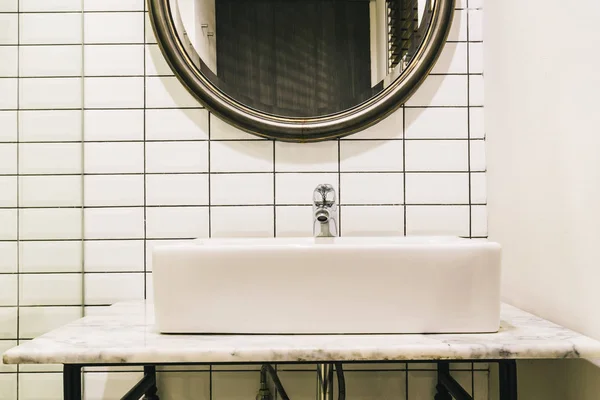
328 285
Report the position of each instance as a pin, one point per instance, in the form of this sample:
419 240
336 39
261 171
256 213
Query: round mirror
301 70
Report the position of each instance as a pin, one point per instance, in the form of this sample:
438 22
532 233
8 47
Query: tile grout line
18 227
145 188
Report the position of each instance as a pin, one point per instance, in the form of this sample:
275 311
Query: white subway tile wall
104 155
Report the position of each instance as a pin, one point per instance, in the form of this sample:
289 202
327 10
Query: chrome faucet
325 213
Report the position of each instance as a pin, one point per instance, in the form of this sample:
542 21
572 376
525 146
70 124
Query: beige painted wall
543 126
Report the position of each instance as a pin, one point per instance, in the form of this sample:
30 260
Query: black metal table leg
448 388
508 379
151 393
72 382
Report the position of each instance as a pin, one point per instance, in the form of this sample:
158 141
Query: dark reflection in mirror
302 58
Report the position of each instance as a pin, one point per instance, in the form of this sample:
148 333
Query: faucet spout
325 214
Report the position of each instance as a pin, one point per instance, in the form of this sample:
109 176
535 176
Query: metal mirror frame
290 129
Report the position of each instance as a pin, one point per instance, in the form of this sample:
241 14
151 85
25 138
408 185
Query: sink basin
328 285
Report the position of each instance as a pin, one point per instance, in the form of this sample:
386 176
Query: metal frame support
72 382
447 387
145 387
507 371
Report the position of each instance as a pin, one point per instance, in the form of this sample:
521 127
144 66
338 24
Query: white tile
389 128
8 257
372 188
113 5
294 221
177 222
50 191
110 288
477 123
49 223
8 323
4 346
299 385
249 156
109 386
50 289
38 61
111 92
126 27
475 25
8 158
191 190
50 28
50 125
242 221
114 190
8 295
317 157
47 386
437 123
50 93
50 158
372 220
476 58
35 321
437 155
475 4
113 125
114 223
453 59
234 386
481 389
155 62
478 188
421 385
48 256
114 255
149 36
8 122
476 90
9 33
478 159
437 220
8 385
377 155
298 188
167 91
432 188
479 224
390 384
221 130
176 157
114 157
7 6
8 92
441 90
8 191
241 189
177 124
106 60
8 224
10 61
185 385
458 30
49 5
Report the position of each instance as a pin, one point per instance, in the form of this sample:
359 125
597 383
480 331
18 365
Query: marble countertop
125 334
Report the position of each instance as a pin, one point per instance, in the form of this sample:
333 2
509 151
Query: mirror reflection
301 58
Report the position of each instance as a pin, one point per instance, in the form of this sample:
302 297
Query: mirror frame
311 129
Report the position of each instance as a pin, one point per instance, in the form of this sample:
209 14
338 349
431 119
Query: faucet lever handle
324 195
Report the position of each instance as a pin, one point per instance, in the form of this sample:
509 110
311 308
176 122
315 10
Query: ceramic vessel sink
328 285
